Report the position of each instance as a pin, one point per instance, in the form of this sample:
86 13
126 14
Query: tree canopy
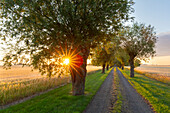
139 42
103 55
122 57
45 25
41 27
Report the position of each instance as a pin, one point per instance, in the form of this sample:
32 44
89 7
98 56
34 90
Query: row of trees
132 44
38 28
129 46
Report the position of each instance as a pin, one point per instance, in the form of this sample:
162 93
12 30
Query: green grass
117 105
60 100
156 92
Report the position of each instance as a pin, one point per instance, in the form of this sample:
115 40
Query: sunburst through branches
71 59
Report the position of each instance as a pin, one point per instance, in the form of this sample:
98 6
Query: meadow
17 82
157 72
155 69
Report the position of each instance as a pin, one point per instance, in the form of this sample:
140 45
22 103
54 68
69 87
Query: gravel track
132 101
101 102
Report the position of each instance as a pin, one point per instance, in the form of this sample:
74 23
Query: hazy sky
156 13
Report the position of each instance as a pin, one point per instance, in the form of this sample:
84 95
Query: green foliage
39 27
139 40
105 52
117 63
60 100
122 57
137 63
157 93
102 55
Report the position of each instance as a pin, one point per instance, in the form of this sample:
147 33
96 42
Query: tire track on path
132 101
101 102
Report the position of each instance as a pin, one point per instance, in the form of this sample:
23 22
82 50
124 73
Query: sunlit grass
117 104
16 88
14 91
156 92
60 100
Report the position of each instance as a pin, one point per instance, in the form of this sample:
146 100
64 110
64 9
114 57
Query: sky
157 14
154 12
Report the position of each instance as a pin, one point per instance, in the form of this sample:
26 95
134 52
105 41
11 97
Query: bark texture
78 73
78 80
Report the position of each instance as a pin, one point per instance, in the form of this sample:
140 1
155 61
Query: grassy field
60 100
155 69
17 72
158 77
156 92
18 83
157 72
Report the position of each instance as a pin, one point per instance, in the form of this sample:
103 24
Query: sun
66 61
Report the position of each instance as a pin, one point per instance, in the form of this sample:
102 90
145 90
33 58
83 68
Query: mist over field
163 44
162 50
155 69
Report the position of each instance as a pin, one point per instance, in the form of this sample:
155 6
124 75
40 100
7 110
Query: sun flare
70 58
66 61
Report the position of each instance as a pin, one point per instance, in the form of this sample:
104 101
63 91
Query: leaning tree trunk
78 73
107 67
131 62
103 69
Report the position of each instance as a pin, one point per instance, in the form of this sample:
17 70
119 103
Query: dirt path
132 101
101 102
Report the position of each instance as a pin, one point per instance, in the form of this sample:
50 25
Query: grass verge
117 102
60 100
156 92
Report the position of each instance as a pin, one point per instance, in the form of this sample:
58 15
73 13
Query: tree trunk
103 69
78 73
107 67
122 66
78 80
131 62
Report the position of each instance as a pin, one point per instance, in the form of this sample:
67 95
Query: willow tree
42 26
102 55
139 42
122 57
